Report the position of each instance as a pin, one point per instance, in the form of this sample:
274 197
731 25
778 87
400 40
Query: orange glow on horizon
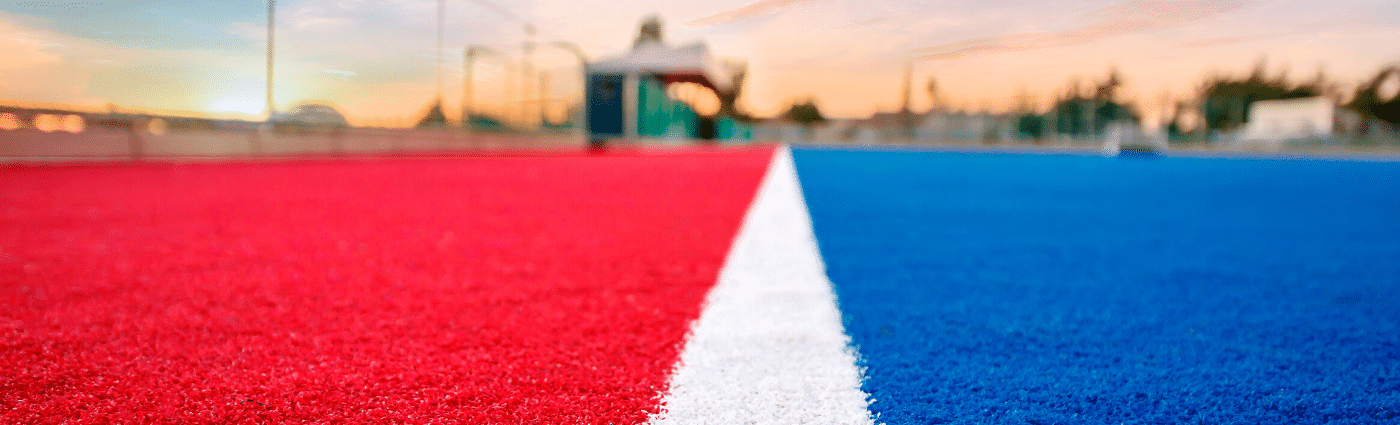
849 60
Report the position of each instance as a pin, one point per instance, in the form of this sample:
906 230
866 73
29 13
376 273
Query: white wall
1274 121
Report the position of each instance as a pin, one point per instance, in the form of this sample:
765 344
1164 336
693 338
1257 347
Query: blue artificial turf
1062 289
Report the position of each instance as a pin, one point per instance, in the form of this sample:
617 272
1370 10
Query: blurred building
627 96
940 125
1273 124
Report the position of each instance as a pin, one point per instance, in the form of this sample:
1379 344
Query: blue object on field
1044 289
1138 152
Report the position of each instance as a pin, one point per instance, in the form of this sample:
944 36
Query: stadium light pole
441 17
441 12
526 70
271 24
581 117
468 57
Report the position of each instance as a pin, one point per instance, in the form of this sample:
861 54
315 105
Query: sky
377 60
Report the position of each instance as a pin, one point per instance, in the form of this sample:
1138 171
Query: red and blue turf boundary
581 288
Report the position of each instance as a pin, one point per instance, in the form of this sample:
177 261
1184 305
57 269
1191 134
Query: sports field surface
703 286
987 288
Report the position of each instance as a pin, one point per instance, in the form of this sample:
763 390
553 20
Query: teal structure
627 98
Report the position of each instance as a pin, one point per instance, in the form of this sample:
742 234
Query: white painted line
769 347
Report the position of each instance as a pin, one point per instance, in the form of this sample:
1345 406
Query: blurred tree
434 118
1176 128
804 113
1031 126
481 122
906 112
649 32
1028 123
1108 90
1079 114
1380 98
1074 88
1071 116
932 88
728 99
1226 100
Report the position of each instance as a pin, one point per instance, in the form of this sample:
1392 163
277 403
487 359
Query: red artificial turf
548 289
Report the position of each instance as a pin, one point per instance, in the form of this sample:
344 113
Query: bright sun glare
237 103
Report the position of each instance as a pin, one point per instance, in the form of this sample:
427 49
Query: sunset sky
376 59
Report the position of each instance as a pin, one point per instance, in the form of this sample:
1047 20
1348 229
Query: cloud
1119 19
67 8
1220 41
341 74
758 8
38 66
48 66
322 16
